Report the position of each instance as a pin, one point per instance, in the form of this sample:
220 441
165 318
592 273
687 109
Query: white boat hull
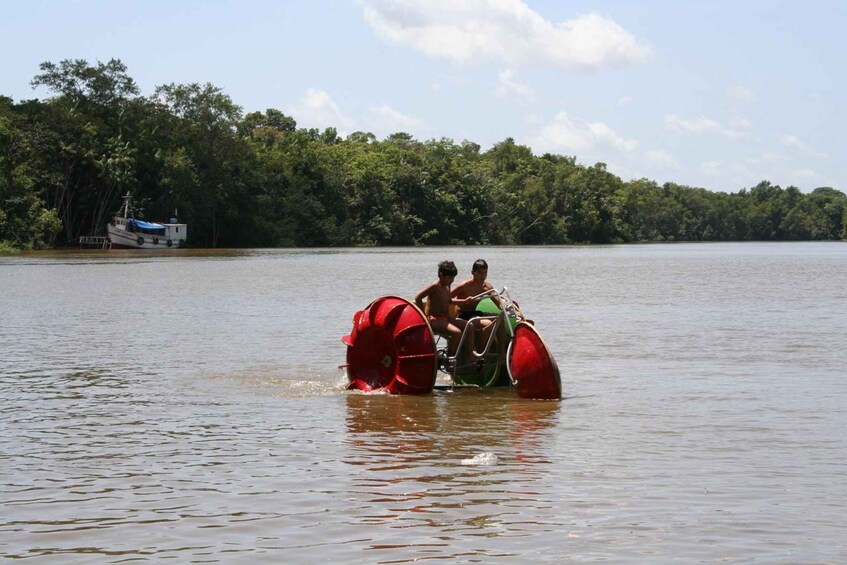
123 239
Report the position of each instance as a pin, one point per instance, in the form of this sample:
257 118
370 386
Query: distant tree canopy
256 180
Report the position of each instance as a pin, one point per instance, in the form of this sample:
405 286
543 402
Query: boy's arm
494 298
424 293
458 289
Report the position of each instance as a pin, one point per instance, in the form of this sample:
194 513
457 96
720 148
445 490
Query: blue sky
717 94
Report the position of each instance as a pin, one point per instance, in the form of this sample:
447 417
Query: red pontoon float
392 348
531 365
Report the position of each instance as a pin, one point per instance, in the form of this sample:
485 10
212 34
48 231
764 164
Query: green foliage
25 223
259 181
76 80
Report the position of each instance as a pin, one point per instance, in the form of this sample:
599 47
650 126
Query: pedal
441 357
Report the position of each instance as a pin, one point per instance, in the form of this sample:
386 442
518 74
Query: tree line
257 180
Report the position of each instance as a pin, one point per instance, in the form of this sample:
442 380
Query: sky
716 94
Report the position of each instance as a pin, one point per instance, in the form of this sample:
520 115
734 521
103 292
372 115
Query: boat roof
145 225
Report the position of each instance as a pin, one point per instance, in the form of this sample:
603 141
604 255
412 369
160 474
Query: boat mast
127 197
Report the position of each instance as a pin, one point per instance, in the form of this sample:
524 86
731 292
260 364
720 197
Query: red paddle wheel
391 348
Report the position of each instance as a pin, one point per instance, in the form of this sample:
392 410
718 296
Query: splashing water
487 458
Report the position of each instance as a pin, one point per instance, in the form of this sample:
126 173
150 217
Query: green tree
203 125
511 168
818 215
24 221
260 181
86 154
592 208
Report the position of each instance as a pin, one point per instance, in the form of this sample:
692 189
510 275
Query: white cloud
510 87
738 123
706 125
713 168
504 31
625 101
794 142
767 158
791 141
731 175
807 175
807 178
741 94
662 160
446 82
390 120
574 135
317 109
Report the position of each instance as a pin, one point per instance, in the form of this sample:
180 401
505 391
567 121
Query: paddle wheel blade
414 375
391 348
532 365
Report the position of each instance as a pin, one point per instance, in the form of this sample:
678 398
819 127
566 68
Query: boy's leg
484 329
453 334
487 328
470 340
501 341
440 327
456 327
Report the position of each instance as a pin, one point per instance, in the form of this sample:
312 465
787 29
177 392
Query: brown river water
188 406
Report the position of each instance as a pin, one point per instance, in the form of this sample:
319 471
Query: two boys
440 297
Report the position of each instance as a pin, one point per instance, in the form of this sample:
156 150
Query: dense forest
256 180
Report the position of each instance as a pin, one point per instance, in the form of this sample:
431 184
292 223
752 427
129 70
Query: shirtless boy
437 295
472 287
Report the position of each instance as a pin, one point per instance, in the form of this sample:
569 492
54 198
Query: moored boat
132 233
393 349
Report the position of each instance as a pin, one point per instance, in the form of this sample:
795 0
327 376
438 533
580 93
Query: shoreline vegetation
256 180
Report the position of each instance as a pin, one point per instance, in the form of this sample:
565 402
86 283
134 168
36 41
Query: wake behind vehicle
393 348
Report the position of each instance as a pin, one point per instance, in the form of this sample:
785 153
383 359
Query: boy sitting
437 295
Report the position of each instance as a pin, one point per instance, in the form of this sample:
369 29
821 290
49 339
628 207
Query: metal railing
95 241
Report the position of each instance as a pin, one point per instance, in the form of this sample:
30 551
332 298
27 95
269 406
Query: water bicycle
393 348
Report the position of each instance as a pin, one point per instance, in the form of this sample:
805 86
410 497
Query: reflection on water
410 471
452 419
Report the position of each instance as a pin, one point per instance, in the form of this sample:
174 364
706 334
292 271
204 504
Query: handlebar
492 292
502 296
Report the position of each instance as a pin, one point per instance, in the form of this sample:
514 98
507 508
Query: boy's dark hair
447 268
479 265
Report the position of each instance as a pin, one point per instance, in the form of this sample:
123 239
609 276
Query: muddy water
188 406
